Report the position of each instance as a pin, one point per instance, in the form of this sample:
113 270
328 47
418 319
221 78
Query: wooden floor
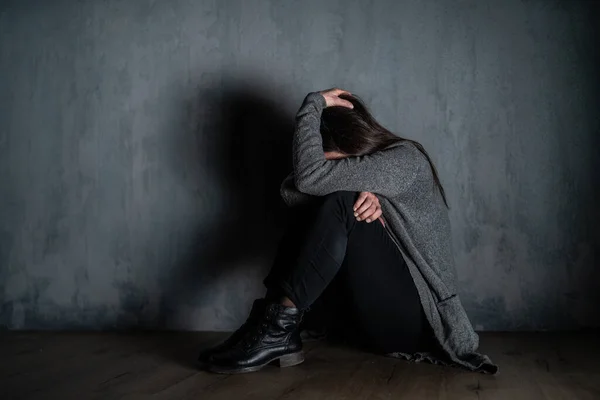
160 366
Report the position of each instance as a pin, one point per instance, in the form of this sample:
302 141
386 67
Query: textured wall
142 143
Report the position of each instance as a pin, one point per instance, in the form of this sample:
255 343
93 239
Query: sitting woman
369 239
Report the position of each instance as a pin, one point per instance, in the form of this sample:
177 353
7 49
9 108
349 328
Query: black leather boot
256 313
274 337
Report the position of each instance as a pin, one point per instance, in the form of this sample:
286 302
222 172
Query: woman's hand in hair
367 207
332 98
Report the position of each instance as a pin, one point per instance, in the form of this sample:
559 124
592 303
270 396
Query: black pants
355 272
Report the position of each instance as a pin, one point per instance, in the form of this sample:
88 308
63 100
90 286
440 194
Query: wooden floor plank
533 366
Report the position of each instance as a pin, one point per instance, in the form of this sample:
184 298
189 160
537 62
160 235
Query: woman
369 240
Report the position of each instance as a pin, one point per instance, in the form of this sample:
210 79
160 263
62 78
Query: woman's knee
340 200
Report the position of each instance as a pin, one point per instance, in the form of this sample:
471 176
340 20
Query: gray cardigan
416 218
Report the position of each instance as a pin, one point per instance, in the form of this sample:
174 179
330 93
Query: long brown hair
355 132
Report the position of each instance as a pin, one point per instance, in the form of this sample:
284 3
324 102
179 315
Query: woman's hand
367 207
332 98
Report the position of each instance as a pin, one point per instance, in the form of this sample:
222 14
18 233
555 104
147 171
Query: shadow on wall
241 139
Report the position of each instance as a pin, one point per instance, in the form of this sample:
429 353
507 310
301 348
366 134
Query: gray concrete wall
142 142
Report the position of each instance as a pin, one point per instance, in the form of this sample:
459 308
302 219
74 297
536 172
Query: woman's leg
373 293
313 249
375 287
308 261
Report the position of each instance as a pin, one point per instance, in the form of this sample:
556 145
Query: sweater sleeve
389 172
292 196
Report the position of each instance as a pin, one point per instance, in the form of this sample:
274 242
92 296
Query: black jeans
354 272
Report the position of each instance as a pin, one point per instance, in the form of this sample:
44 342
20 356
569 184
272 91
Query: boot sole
288 360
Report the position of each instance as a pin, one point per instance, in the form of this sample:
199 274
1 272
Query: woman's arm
388 173
291 195
366 207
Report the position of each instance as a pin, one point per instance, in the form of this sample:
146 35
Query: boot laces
255 337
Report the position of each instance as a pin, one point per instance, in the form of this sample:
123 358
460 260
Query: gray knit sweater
416 218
